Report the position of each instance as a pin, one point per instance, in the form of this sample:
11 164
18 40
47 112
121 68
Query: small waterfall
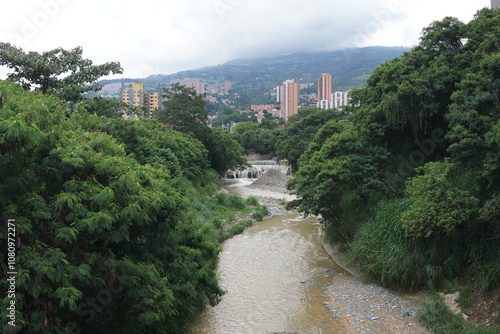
257 168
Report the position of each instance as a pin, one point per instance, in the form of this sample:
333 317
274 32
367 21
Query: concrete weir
257 168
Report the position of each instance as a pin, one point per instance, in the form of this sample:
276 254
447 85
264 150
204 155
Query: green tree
293 140
184 110
224 152
151 142
439 201
64 73
103 242
267 123
256 138
341 169
243 127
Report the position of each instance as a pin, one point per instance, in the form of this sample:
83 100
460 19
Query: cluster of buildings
147 102
288 95
219 88
327 99
196 84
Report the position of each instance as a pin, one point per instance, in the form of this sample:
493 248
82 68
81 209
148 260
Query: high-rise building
495 3
134 96
289 98
151 102
137 97
340 99
325 91
228 85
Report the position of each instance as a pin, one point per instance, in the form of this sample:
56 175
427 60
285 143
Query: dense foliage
256 138
300 129
184 111
105 242
408 179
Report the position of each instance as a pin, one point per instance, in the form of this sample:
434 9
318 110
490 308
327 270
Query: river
278 278
274 275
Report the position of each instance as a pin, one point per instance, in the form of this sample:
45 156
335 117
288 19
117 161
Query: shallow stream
279 278
275 275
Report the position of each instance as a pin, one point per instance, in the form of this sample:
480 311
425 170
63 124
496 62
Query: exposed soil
485 308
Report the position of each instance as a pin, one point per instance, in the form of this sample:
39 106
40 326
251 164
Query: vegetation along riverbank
119 222
407 178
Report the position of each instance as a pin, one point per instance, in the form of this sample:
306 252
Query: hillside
254 77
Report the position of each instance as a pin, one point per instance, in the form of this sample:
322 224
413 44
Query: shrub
260 213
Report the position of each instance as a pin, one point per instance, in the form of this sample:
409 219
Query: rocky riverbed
360 306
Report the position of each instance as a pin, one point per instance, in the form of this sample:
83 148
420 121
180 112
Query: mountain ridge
254 77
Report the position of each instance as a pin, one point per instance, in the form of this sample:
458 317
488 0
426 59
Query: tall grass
223 215
208 183
230 201
382 250
484 255
238 228
437 317
260 213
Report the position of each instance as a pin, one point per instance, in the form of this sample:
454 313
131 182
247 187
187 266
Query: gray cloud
171 35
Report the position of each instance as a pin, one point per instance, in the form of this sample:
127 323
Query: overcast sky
167 36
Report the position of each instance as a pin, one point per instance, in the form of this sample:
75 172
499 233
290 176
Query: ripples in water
274 274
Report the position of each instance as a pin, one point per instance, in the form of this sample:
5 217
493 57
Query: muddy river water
274 274
278 278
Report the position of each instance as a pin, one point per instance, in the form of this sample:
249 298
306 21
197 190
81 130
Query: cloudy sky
167 36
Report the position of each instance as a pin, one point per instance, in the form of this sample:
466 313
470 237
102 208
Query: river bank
354 304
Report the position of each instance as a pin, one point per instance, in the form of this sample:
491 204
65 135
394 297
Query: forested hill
350 68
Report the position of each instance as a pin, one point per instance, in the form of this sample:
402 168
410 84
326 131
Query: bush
252 201
230 201
260 213
238 228
383 249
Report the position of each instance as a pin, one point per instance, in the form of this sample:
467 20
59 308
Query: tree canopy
64 73
104 241
184 110
420 139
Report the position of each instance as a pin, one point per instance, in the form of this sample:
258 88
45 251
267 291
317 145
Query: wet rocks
369 308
